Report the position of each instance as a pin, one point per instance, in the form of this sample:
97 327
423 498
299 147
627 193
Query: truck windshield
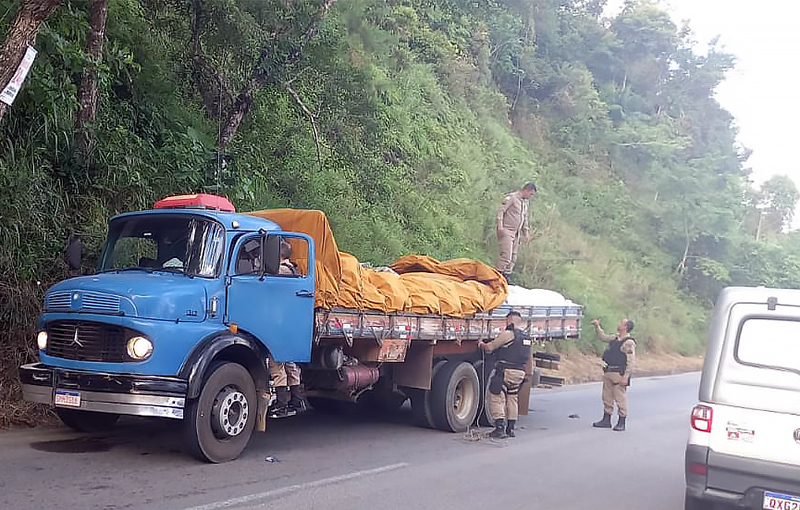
172 243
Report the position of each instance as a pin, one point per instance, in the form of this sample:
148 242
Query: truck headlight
41 340
140 347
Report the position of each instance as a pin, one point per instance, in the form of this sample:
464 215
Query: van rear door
757 391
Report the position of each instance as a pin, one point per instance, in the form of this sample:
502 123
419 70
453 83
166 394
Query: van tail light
702 416
695 468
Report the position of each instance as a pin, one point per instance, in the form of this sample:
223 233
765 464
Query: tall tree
273 35
777 200
21 33
87 92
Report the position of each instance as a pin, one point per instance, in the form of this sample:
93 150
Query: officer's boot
620 426
510 428
296 402
605 423
499 431
280 409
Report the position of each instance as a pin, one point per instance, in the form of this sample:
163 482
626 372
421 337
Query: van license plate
777 501
73 399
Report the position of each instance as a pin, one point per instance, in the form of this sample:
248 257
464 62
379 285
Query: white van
744 444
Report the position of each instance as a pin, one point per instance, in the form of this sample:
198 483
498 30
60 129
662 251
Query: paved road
352 462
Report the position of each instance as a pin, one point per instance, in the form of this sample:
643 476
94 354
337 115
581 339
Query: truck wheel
86 421
455 395
483 419
218 423
421 401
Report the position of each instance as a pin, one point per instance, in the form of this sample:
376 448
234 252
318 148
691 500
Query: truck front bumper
138 395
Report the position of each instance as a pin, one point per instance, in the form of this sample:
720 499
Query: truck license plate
777 501
73 399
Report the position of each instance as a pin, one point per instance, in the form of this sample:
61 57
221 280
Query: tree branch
311 117
263 74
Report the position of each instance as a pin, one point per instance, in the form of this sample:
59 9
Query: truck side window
294 257
249 259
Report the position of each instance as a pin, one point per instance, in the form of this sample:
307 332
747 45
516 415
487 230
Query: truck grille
86 301
96 301
58 301
94 341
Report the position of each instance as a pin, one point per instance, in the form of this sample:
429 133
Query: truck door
276 308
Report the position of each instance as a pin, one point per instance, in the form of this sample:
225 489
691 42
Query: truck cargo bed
541 323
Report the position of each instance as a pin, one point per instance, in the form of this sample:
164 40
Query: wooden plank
546 363
551 381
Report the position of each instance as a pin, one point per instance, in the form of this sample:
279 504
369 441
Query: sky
762 91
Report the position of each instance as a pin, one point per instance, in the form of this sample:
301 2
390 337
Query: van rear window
773 343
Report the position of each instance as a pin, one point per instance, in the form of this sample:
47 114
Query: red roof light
196 201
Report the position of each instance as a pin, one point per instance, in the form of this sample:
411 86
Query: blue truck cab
185 309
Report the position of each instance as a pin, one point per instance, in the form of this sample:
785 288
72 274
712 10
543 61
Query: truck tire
86 421
421 401
455 395
218 424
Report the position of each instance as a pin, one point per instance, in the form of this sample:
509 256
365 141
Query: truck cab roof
230 220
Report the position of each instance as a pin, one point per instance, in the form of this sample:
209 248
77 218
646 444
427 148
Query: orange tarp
455 287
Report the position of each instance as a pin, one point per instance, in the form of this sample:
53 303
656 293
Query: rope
474 434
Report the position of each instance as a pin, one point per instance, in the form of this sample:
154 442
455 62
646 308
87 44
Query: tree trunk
241 105
21 33
87 93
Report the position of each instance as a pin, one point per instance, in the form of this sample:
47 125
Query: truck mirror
272 254
73 253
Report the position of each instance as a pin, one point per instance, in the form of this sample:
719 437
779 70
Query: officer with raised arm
619 358
513 348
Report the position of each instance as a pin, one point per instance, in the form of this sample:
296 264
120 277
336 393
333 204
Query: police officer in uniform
286 376
513 348
512 225
618 358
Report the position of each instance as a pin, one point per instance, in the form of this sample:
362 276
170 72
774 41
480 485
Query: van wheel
218 424
421 401
86 421
455 395
694 503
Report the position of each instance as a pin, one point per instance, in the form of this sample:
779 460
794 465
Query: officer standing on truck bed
512 224
619 358
513 348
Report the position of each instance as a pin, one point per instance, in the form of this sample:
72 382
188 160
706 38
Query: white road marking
283 491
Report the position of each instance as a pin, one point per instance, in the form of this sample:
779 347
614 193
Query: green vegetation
427 113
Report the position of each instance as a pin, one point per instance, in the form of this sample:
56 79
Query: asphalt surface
354 461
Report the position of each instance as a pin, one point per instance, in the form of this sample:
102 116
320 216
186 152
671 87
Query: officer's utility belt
612 368
505 365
